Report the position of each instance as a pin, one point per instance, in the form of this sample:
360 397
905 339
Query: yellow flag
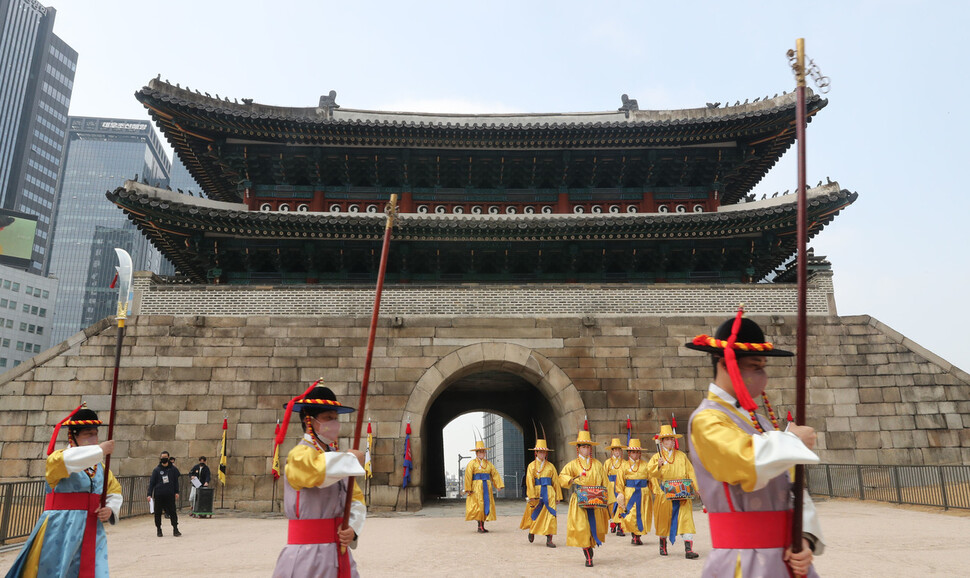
224 452
367 464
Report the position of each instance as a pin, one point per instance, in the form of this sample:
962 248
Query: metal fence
940 486
21 503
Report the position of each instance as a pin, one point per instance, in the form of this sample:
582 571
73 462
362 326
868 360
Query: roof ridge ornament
328 103
629 105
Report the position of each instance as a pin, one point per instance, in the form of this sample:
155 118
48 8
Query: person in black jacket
164 488
199 471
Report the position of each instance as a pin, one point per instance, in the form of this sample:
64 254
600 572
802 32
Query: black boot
689 550
636 540
619 530
159 531
588 552
549 543
663 546
532 538
612 528
481 527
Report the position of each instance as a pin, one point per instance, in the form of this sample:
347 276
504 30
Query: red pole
391 211
802 269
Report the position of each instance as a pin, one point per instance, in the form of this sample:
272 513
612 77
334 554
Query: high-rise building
507 453
36 82
99 154
26 312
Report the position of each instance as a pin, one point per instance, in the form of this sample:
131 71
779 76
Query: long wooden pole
802 268
391 211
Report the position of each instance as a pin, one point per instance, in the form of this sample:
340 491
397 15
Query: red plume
57 429
407 430
789 416
586 424
368 429
628 424
731 360
289 410
674 423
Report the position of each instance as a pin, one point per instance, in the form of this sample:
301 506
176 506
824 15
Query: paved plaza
864 539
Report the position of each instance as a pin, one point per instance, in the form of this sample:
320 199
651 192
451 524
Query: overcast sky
895 129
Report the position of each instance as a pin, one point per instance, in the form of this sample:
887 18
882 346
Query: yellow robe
545 523
614 467
677 467
636 472
475 502
577 522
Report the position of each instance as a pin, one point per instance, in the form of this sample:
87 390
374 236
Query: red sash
80 501
320 531
749 530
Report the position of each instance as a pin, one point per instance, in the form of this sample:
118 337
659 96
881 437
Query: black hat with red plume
79 419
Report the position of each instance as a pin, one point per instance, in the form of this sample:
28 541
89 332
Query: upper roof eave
181 98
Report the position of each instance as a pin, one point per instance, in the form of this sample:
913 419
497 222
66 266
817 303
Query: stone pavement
864 539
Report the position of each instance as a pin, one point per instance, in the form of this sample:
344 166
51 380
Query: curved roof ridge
343 114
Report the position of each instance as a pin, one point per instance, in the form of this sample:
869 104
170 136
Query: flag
367 465
223 452
407 456
276 454
629 429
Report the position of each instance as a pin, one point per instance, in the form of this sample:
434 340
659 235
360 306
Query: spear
125 294
798 65
391 211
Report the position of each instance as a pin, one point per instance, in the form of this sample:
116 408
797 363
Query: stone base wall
875 396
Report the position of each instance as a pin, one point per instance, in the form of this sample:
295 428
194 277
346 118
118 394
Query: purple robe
775 496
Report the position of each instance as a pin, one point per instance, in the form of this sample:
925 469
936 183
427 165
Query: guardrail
21 503
939 486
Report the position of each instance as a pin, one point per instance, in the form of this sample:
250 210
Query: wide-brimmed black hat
319 398
750 341
80 418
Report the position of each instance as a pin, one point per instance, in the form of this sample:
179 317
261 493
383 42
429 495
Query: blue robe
54 546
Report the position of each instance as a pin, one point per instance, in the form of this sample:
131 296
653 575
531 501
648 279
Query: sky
895 129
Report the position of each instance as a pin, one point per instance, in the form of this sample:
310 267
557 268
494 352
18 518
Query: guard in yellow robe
614 470
636 489
481 481
585 527
673 517
542 493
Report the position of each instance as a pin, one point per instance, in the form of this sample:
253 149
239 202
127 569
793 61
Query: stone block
622 399
837 424
875 409
901 422
870 395
862 424
839 440
930 421
667 399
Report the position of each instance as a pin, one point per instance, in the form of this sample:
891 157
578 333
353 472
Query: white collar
716 390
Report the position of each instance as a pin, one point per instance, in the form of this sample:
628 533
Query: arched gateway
504 378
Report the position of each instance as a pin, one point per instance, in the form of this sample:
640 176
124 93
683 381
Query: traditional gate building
545 266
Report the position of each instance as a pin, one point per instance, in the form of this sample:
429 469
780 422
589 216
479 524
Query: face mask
164 461
327 431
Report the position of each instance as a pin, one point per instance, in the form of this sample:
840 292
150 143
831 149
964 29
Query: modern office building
99 154
507 453
26 308
36 82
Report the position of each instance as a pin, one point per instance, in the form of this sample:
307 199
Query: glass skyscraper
36 83
507 453
100 154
